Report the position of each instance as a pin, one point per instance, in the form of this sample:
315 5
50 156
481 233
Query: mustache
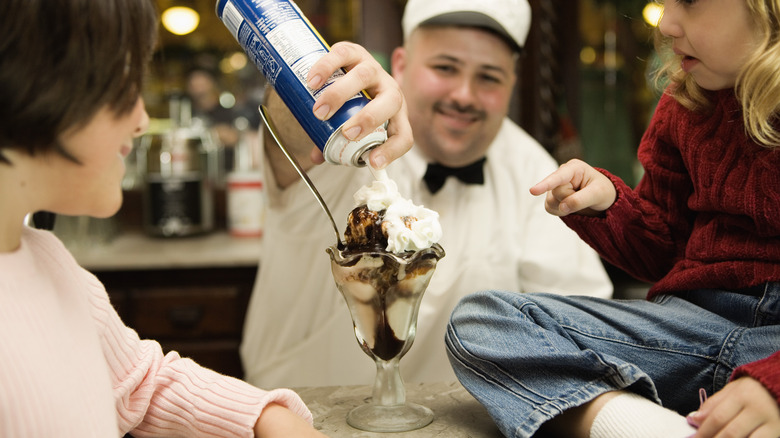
462 109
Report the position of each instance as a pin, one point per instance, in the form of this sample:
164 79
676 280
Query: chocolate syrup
386 344
364 231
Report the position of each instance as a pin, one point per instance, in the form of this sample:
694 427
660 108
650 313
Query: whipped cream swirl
408 227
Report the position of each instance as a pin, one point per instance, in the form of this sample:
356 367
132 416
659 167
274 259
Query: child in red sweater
703 225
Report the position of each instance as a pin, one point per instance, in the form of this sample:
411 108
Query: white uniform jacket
298 331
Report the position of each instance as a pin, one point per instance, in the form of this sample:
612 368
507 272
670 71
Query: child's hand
276 421
363 73
743 408
576 188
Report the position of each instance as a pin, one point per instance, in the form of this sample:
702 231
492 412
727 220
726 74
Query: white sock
631 415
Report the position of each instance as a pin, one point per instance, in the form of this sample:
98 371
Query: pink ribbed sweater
70 368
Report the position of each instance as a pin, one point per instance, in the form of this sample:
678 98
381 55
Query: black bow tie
437 174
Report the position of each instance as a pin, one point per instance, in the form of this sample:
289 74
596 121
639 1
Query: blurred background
584 90
584 73
180 258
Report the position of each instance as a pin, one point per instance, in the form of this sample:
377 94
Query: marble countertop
456 413
135 250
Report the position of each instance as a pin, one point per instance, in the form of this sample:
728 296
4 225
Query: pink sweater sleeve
166 395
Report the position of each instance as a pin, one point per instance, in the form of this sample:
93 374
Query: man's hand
387 104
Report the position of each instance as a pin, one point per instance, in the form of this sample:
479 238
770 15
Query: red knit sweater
705 215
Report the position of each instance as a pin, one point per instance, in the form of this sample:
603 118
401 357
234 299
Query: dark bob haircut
63 60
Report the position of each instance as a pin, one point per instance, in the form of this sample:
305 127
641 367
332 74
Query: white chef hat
510 18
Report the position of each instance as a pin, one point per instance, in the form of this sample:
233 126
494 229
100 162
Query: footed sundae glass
383 292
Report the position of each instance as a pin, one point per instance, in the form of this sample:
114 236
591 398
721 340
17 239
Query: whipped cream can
284 45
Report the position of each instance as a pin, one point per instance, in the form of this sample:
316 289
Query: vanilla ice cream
405 226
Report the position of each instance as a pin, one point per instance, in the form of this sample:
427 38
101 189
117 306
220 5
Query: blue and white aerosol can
284 45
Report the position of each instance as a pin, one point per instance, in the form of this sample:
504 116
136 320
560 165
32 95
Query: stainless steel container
178 194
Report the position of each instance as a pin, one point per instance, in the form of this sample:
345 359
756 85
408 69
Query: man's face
458 83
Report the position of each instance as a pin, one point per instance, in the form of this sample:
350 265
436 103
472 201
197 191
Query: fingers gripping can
284 45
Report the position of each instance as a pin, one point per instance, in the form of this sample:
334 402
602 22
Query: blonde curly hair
758 83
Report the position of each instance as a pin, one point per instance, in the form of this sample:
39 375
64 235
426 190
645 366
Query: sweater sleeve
645 230
166 395
627 236
766 371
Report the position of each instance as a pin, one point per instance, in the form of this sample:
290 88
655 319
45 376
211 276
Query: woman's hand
387 104
276 421
743 408
576 187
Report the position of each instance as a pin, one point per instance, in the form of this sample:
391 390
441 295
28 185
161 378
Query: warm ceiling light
588 55
652 13
180 20
233 63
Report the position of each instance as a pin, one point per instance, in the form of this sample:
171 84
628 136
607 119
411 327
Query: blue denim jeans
529 357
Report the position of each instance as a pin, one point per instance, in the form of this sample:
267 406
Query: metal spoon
301 172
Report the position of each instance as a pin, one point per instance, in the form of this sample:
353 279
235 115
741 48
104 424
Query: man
457 71
203 90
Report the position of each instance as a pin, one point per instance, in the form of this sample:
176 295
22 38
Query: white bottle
245 186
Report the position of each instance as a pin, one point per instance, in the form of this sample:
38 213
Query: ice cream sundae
390 255
382 272
383 219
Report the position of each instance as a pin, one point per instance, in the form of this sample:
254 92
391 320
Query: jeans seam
458 351
636 345
724 360
457 347
761 315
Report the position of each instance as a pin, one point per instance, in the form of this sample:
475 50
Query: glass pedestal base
399 418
